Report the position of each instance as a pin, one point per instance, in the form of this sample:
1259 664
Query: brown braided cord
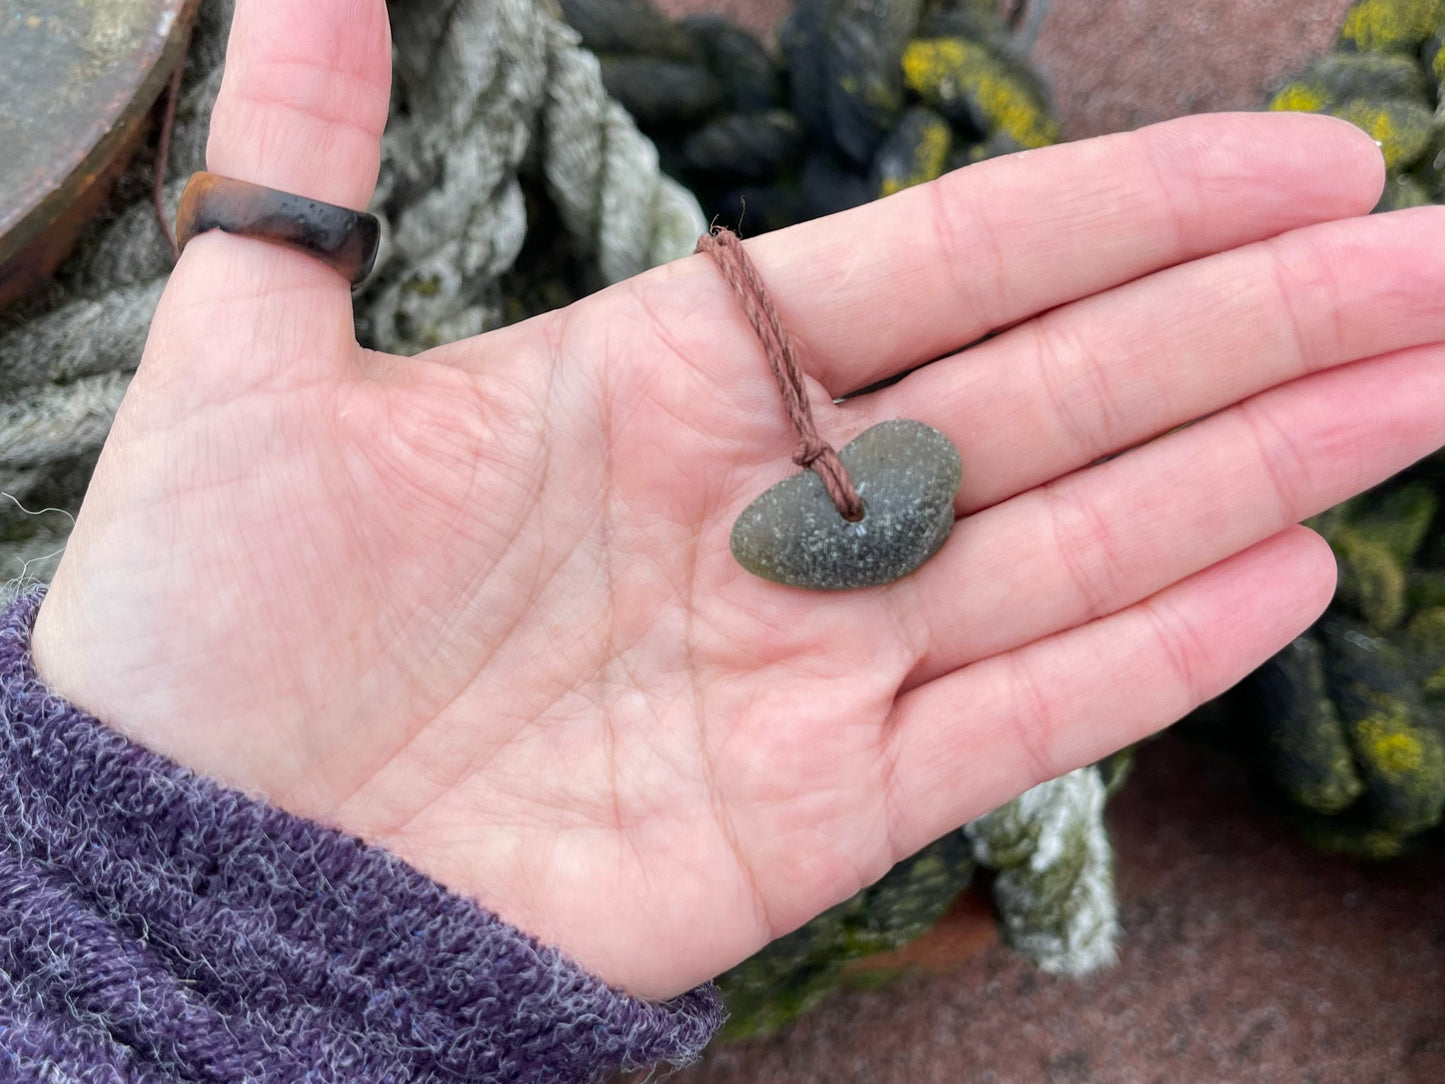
757 304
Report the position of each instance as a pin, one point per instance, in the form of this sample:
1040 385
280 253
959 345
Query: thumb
301 108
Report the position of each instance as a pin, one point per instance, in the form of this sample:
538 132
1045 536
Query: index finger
888 286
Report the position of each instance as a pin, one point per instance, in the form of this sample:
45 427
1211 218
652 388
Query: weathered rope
488 94
1055 887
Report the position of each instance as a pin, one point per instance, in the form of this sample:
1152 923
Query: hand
478 606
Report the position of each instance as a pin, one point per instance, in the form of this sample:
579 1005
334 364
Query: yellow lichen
1374 120
1400 143
1013 113
933 150
930 156
929 63
1395 753
1391 25
1299 98
1404 756
945 70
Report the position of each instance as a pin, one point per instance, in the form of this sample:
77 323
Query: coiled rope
490 95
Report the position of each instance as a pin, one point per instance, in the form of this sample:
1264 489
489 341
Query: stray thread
747 285
10 586
37 512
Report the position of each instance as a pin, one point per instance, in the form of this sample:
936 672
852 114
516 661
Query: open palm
478 606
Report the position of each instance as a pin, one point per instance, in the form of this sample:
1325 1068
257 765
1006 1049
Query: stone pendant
906 474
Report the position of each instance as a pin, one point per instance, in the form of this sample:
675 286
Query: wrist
236 938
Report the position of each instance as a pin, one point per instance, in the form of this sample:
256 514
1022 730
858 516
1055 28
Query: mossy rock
1397 517
830 184
1426 589
1353 836
1377 80
1426 631
1424 637
1433 56
716 105
1429 171
1403 128
1403 761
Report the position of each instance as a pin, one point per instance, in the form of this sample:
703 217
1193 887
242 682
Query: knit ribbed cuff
155 926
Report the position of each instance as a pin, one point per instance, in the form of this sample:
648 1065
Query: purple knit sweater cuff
157 927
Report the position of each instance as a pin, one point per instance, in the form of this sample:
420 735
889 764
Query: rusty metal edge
110 133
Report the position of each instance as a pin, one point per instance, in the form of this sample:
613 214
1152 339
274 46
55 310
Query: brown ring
342 239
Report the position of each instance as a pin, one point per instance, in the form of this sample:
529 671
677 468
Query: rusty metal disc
77 81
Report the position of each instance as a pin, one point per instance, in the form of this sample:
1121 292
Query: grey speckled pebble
906 473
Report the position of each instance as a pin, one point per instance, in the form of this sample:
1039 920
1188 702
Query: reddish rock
1119 64
759 16
1245 956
